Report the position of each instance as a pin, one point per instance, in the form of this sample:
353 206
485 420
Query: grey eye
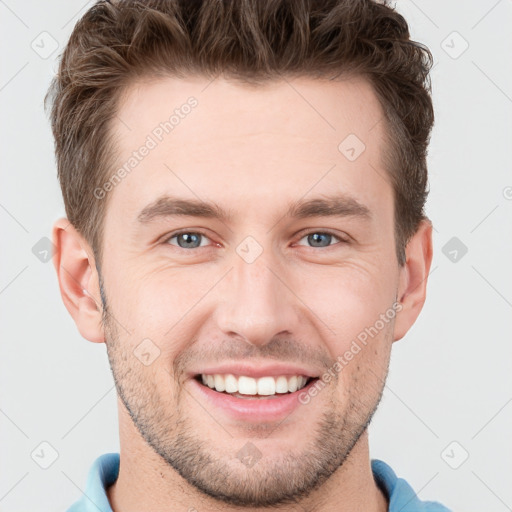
320 239
188 240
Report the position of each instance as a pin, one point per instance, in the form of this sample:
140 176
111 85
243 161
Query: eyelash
177 233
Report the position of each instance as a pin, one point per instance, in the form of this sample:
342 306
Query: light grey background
450 377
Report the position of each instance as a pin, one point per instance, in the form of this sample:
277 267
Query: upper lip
256 370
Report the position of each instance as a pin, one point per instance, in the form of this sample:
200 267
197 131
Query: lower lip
258 410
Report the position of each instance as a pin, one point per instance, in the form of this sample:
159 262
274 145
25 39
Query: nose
256 302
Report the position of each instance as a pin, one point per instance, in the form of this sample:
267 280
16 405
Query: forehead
252 148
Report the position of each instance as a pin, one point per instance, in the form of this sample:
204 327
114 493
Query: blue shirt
105 469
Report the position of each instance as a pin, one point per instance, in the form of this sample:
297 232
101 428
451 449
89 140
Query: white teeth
292 384
281 385
263 386
266 386
231 383
247 386
219 382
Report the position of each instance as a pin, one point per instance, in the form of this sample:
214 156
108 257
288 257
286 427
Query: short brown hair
252 41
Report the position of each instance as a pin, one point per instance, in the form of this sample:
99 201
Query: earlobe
78 280
412 288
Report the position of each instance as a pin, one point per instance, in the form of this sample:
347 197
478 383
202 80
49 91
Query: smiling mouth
242 386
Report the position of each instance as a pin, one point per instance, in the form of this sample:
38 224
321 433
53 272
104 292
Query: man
244 185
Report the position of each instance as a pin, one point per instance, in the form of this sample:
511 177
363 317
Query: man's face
260 293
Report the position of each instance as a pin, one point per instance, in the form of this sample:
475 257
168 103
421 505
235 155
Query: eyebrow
325 206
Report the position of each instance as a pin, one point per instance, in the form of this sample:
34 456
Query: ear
78 279
412 289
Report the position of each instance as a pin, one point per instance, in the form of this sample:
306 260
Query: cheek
156 300
350 301
161 306
363 370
